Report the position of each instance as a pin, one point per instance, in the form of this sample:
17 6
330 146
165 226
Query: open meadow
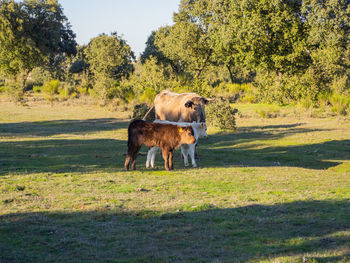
276 190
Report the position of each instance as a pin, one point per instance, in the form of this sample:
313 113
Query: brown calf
166 136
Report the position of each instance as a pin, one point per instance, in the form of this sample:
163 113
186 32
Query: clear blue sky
134 20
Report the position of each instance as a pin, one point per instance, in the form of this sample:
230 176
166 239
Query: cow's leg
171 167
195 152
151 156
165 154
134 156
191 150
184 153
148 160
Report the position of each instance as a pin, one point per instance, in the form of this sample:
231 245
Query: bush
39 76
68 91
37 89
13 90
268 112
340 104
149 79
52 87
221 114
236 92
140 111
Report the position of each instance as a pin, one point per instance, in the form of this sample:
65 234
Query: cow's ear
189 104
205 101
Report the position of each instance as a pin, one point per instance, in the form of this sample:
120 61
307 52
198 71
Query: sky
133 20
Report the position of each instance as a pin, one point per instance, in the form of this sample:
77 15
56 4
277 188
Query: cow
166 136
185 107
199 129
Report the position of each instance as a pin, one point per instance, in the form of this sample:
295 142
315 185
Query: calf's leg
134 156
165 154
171 167
127 161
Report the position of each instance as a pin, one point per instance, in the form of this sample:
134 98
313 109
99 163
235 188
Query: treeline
250 50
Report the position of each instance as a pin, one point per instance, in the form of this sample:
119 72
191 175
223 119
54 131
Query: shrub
234 92
37 88
68 91
51 87
221 114
13 90
83 90
149 79
268 112
140 111
40 76
201 87
340 103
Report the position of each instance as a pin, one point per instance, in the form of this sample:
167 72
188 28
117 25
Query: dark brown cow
166 136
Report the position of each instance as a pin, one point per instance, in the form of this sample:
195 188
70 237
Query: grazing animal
166 136
199 129
185 107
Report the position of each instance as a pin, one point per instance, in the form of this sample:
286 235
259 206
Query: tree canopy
32 34
110 59
280 40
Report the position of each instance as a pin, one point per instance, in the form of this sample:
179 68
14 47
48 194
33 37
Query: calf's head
196 108
187 135
202 131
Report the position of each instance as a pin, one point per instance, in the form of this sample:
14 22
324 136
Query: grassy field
276 190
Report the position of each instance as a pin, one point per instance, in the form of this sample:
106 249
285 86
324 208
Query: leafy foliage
221 114
140 111
109 59
32 34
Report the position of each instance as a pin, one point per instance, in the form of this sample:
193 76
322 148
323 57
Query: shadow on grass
61 156
237 149
219 150
49 128
242 234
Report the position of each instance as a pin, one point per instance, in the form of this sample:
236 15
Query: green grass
276 190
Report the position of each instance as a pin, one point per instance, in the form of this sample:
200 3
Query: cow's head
196 106
187 135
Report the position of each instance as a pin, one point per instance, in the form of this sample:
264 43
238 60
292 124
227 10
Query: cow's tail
147 113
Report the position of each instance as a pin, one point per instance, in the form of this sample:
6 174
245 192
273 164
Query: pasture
276 190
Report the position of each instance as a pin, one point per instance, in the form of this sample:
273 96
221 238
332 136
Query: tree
187 42
110 59
33 33
328 39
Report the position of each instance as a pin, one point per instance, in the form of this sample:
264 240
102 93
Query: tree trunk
24 80
231 75
204 64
